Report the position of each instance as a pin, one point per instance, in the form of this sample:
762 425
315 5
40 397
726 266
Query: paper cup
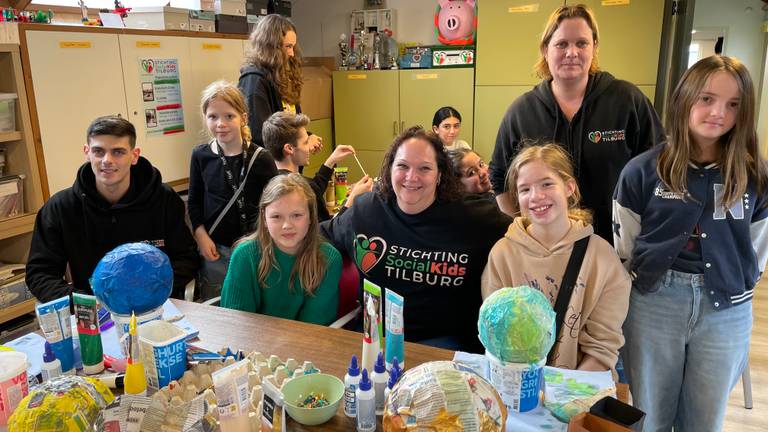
518 384
122 322
13 382
163 352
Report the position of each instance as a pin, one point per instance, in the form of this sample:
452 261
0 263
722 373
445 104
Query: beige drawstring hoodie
600 297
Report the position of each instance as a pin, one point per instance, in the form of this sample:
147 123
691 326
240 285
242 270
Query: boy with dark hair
285 137
118 197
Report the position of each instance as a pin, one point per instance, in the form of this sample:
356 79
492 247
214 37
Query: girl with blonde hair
285 268
691 223
591 291
226 177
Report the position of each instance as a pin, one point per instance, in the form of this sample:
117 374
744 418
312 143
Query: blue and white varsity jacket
652 224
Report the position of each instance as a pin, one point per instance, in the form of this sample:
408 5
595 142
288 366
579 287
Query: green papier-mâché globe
517 325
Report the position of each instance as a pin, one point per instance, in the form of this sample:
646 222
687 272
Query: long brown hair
739 157
448 187
310 263
266 50
559 161
229 93
553 22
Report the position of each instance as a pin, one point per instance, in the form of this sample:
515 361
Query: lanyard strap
237 195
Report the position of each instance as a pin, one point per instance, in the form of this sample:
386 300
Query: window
693 53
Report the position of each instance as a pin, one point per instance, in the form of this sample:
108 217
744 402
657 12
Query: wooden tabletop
329 349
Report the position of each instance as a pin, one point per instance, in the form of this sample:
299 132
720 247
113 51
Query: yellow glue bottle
135 377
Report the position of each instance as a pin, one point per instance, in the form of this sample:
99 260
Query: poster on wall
161 93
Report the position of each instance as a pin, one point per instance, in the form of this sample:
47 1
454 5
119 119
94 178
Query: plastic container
163 352
351 381
8 112
297 388
123 321
518 384
13 382
366 405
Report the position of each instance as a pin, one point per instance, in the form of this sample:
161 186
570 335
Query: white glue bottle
351 380
51 365
394 375
379 378
366 405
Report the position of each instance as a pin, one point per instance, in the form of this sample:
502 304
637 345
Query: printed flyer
161 93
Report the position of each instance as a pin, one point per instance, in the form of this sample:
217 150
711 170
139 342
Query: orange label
430 76
357 76
211 46
74 44
147 44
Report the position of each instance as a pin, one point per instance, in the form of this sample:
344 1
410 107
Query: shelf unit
21 158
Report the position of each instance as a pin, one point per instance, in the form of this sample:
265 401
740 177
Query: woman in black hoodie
601 121
270 78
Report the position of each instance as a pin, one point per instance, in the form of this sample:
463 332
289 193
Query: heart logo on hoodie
595 136
369 251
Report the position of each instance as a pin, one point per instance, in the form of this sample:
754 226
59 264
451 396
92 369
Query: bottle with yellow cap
135 377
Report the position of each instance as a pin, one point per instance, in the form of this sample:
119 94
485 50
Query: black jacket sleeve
180 246
254 88
340 230
47 260
650 131
195 195
504 150
319 183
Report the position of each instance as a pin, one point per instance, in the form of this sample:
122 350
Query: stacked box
231 24
230 7
202 21
453 56
158 18
205 5
256 7
282 7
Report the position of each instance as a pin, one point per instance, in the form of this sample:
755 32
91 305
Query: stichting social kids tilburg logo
607 136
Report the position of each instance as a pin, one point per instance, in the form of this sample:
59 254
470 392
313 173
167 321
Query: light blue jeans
212 274
682 357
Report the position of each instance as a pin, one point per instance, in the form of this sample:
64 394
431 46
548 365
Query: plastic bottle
135 376
51 365
351 381
394 375
379 378
366 405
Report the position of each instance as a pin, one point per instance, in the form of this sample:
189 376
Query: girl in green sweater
285 269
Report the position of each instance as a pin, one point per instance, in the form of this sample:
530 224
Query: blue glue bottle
379 378
394 375
351 380
366 405
51 365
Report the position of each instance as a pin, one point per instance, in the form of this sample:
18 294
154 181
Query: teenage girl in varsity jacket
691 223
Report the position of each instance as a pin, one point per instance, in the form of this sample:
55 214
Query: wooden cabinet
15 233
372 107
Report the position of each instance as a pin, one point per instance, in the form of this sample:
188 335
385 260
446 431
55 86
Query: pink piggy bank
456 22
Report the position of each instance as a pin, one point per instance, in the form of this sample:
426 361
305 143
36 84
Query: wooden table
329 349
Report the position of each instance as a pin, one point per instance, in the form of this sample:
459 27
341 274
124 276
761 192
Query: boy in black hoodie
118 197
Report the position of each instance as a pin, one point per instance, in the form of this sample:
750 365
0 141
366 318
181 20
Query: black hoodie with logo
615 123
77 226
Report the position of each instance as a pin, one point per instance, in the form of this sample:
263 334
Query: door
76 78
424 91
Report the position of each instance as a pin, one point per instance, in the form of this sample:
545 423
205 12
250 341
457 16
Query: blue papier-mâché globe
133 277
517 325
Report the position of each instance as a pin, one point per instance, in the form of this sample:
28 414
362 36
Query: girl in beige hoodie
535 251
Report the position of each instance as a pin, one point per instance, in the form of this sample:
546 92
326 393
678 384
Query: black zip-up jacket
261 96
615 123
77 227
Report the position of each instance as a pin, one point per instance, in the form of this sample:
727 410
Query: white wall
743 35
320 22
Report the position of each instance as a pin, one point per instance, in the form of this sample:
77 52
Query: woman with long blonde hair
271 77
549 228
285 268
691 223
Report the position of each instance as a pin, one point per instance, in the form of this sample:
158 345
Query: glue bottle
394 375
379 378
135 377
366 405
51 365
351 381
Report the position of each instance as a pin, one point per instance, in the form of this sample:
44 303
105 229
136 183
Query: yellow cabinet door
424 91
491 102
76 78
508 35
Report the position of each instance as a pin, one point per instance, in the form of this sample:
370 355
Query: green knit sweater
242 290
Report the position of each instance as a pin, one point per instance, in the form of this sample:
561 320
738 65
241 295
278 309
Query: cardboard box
202 21
282 7
11 196
252 21
158 18
230 7
204 5
447 56
231 24
256 7
316 94
416 58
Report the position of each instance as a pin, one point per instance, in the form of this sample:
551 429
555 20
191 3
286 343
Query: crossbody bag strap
566 288
237 192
